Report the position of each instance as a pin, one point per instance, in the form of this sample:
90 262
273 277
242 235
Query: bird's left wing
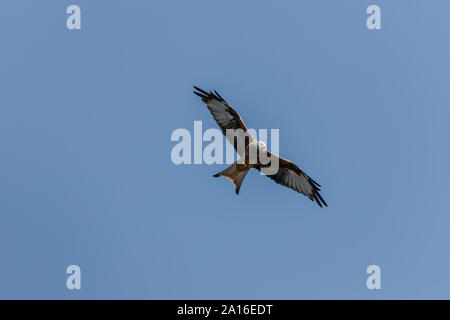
291 176
225 116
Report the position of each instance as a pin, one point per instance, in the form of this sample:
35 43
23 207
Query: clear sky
86 177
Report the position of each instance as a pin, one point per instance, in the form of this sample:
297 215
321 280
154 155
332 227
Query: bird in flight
288 173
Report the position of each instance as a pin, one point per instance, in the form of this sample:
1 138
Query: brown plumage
288 174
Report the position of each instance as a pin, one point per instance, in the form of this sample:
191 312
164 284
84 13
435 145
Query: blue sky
86 176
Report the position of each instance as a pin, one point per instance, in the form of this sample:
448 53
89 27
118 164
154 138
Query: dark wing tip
219 96
216 96
314 182
319 199
316 195
201 90
208 95
200 95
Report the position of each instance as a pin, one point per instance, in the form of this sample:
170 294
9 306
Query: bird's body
251 152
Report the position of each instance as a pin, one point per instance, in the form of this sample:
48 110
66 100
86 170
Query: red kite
288 173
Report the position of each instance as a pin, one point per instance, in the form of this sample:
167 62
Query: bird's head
262 145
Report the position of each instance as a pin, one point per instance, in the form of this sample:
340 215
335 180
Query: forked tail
236 173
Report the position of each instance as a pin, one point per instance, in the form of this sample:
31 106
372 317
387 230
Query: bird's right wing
227 118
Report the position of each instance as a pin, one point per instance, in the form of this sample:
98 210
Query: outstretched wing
226 117
291 176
